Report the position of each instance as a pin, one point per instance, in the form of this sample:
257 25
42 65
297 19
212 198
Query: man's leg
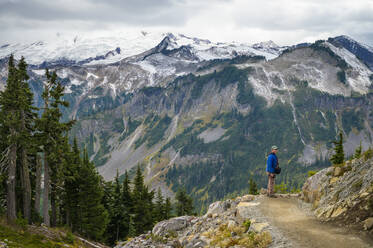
271 182
269 185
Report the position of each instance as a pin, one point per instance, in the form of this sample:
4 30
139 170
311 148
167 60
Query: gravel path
293 220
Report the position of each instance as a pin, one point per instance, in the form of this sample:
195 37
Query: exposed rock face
343 193
230 223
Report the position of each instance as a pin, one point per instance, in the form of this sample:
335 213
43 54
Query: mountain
203 115
360 50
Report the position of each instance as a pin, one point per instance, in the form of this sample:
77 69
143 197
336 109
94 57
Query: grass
25 237
222 237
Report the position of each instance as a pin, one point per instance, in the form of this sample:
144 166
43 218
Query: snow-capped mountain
362 51
164 99
106 50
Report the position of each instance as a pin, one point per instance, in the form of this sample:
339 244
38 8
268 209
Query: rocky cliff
344 193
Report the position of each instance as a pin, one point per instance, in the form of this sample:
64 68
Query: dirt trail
288 215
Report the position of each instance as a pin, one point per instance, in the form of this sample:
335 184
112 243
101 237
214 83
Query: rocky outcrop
343 193
231 223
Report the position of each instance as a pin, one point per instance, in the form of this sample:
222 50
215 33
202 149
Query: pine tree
184 205
17 124
52 132
338 156
159 210
72 167
126 204
167 209
138 202
358 151
94 217
9 105
142 204
116 224
27 118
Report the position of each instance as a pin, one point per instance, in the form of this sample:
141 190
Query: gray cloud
284 21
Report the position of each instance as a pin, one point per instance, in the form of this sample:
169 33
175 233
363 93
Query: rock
333 180
247 198
263 191
258 227
231 224
338 171
340 210
244 210
218 207
174 224
364 194
368 223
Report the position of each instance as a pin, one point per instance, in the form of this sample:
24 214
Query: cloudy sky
283 21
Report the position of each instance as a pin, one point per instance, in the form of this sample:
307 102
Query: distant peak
268 44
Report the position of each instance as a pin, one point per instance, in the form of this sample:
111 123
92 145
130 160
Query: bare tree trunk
11 182
37 184
25 178
53 206
26 187
46 192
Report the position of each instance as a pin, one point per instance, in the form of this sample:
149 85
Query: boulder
368 223
258 227
174 224
218 207
338 171
244 210
247 198
333 180
263 191
311 190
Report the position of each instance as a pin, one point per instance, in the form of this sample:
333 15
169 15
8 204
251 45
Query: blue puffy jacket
271 163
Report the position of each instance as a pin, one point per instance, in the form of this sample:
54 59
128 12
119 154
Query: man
272 163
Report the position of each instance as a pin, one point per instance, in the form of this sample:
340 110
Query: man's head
274 149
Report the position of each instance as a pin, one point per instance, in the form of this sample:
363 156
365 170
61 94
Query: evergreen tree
126 205
142 204
338 156
159 210
358 151
71 165
51 133
167 209
27 118
94 217
116 224
184 205
17 127
9 106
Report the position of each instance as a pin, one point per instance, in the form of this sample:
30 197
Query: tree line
37 150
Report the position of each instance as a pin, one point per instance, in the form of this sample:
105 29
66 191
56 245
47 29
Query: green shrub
69 238
311 173
247 224
21 222
357 185
368 154
281 188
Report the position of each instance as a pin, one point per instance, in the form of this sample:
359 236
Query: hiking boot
272 196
